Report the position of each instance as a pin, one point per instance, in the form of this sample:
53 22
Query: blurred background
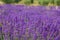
31 2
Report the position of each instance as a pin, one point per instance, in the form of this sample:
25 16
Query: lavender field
19 22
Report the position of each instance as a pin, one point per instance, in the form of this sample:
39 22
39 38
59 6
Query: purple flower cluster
20 22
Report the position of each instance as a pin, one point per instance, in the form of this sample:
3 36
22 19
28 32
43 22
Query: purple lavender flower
29 23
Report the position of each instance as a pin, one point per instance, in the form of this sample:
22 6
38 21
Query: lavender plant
30 24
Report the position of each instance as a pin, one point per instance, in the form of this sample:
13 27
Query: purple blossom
30 23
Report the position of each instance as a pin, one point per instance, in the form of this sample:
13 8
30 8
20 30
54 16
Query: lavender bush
20 22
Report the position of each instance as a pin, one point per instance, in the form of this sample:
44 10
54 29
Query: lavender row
30 23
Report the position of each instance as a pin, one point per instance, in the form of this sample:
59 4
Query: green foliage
8 1
45 2
1 38
11 1
17 1
1 35
58 2
27 2
32 1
